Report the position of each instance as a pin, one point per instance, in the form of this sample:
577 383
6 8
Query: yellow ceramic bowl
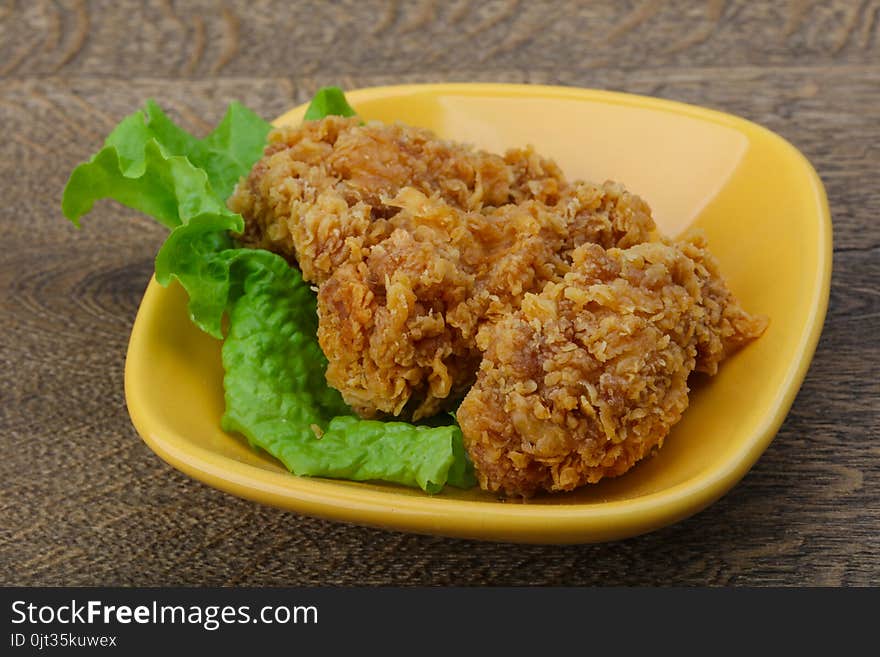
766 216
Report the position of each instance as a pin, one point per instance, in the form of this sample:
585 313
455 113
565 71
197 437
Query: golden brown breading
383 327
319 194
415 242
399 327
724 326
428 253
591 374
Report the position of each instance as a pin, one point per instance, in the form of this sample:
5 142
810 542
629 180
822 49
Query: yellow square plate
756 197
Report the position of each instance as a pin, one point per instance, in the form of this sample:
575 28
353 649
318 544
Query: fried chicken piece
399 327
319 194
383 327
590 375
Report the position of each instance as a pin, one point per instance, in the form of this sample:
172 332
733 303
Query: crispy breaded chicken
434 261
319 196
590 375
399 327
417 242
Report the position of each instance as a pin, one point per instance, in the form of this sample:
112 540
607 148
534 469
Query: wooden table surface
83 499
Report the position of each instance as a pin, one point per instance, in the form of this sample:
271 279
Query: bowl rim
544 523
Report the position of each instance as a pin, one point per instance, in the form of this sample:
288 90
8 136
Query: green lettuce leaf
328 101
276 394
166 187
150 164
196 255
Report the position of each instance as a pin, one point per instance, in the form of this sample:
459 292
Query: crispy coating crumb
416 243
590 375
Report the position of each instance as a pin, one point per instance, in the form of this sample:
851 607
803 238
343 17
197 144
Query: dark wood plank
85 502
107 38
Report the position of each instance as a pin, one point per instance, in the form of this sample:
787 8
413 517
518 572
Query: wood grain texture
83 501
